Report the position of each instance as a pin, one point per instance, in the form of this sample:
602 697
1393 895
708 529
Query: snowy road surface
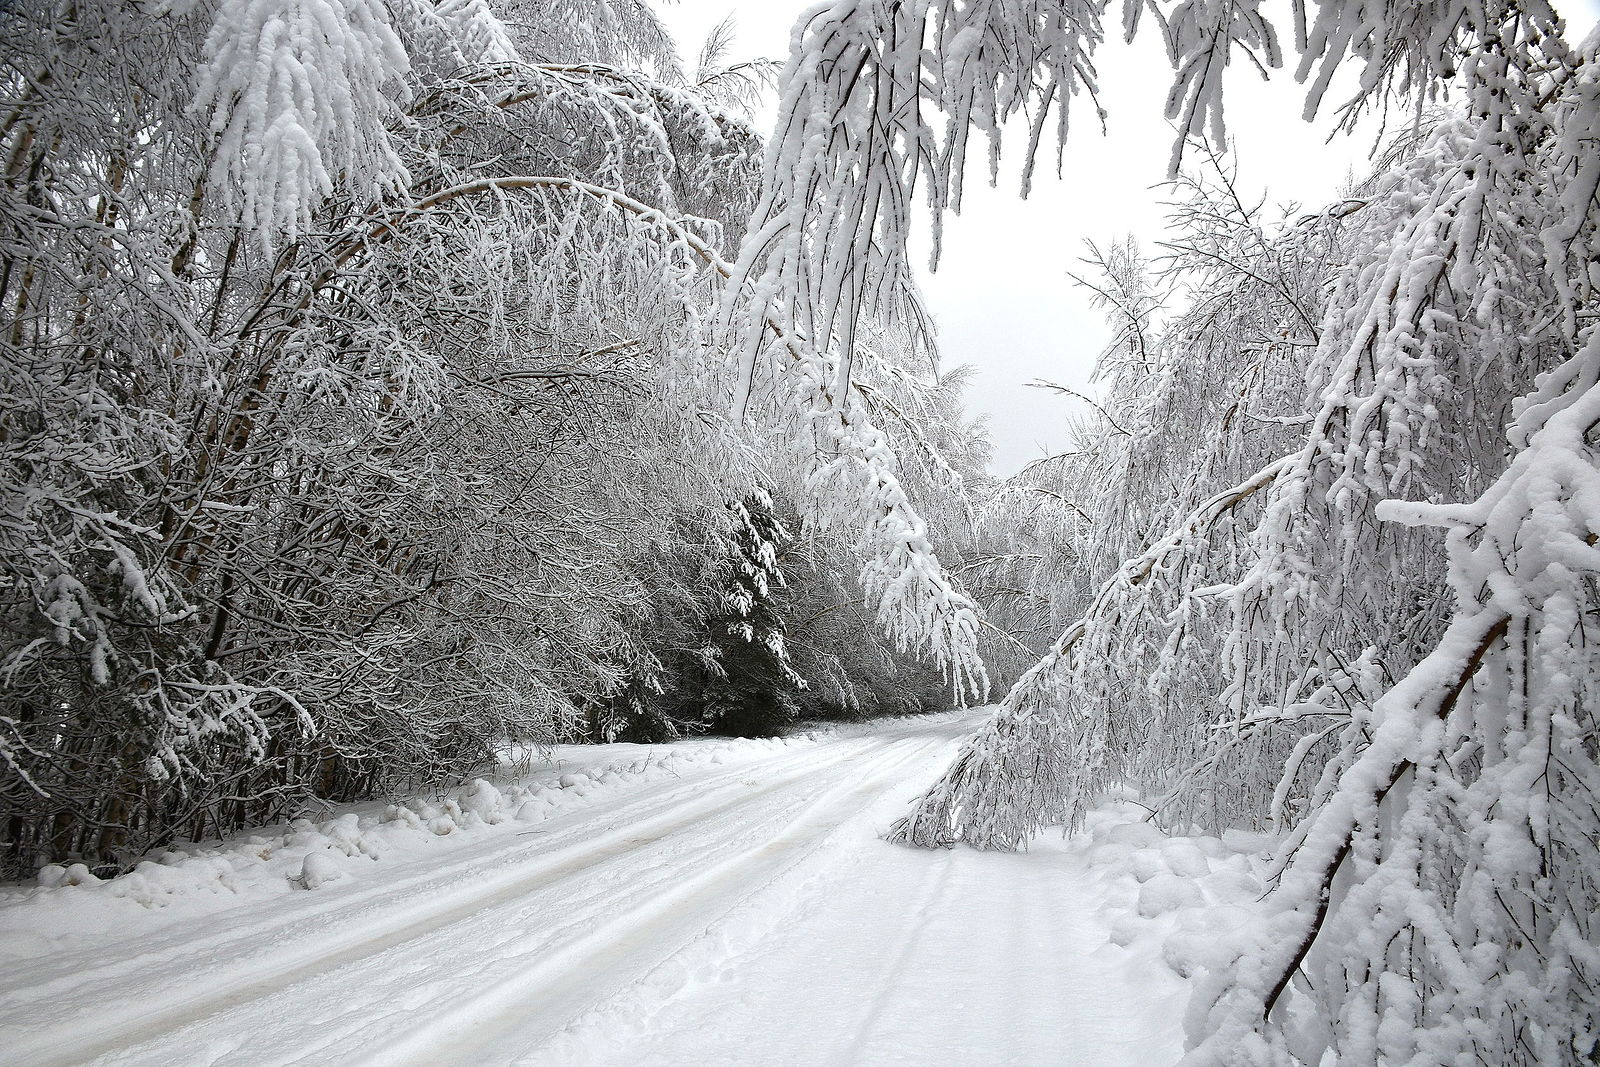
742 911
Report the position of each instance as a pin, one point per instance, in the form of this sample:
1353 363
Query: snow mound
1171 901
306 854
1146 864
1166 893
318 869
1185 859
482 799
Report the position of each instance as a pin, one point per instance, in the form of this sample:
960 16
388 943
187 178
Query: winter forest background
381 380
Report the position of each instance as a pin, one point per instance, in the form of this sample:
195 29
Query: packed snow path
747 915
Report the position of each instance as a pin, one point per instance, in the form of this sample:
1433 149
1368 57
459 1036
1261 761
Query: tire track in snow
858 1035
516 1019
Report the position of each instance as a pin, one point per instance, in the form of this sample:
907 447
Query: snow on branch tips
297 93
1485 736
1040 761
828 243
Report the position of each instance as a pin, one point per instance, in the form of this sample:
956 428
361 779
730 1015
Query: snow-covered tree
753 687
1271 632
352 356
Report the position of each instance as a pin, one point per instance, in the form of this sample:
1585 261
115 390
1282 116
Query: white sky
1001 295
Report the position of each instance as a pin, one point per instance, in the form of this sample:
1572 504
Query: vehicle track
857 1036
530 913
511 1025
235 970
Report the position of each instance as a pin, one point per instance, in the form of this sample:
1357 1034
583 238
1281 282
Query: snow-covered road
740 911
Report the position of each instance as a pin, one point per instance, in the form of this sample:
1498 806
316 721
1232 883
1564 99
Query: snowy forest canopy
363 409
385 379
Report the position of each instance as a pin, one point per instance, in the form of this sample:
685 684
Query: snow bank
1172 901
305 855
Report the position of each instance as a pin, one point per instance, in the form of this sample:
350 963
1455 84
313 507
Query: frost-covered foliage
819 650
357 404
752 690
296 93
854 667
1258 627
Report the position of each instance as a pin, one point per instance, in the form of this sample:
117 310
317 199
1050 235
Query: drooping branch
980 800
918 603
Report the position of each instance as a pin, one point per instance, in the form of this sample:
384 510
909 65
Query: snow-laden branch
850 470
1524 559
1027 769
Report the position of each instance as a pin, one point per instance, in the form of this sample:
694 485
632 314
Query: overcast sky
1001 295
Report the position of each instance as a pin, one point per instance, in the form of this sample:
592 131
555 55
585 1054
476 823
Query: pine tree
753 687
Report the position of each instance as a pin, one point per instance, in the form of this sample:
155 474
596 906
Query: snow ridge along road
750 913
